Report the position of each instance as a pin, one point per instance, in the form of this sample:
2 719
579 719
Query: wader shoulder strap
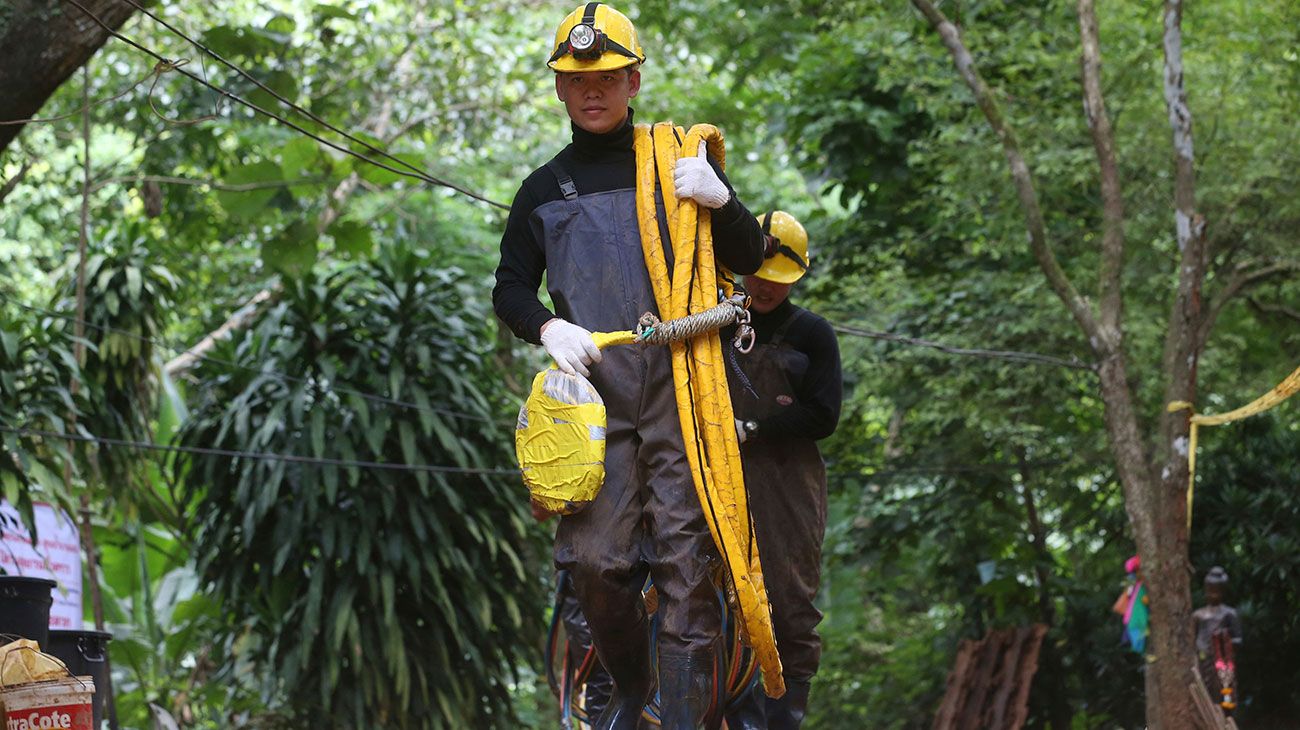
778 335
567 188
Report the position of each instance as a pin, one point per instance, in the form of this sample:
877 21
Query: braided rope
651 330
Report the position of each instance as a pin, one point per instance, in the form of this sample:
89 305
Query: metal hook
744 337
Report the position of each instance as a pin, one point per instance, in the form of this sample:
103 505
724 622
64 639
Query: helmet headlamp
583 38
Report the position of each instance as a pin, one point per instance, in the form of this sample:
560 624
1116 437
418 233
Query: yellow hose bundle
699 378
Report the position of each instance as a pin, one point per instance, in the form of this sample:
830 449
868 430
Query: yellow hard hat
786 259
595 37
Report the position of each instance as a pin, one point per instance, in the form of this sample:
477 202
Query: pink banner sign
57 557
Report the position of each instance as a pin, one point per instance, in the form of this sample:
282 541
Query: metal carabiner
744 340
745 336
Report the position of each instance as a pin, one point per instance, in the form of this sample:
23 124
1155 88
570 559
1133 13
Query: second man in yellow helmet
786 395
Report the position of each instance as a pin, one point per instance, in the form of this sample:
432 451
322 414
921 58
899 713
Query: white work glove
695 178
570 346
740 430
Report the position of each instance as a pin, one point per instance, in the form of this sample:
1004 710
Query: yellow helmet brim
607 62
780 270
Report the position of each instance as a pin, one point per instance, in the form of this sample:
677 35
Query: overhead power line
438 468
948 469
419 174
275 94
85 108
1029 357
369 397
167 64
261 455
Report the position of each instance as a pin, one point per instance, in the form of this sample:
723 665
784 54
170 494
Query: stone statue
1218 636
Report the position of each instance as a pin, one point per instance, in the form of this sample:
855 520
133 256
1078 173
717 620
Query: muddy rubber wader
598 685
646 517
787 487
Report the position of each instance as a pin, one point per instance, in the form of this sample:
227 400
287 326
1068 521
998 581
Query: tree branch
1185 320
237 321
12 182
1020 175
1241 280
1182 341
1277 309
1103 141
43 45
1121 416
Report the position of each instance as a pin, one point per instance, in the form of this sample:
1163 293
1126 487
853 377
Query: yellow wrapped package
560 442
21 662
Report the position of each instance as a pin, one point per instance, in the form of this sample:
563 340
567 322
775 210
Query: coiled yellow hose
699 377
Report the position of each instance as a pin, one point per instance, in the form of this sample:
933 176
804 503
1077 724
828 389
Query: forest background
966 493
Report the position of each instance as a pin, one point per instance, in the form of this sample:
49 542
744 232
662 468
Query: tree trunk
1170 706
42 43
1157 517
1155 503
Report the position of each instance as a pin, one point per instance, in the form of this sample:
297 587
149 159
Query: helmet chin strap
772 242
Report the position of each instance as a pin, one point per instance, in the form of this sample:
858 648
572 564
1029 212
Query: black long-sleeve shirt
597 163
815 411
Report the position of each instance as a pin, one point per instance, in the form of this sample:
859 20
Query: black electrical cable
170 65
262 456
276 95
265 456
1027 357
229 363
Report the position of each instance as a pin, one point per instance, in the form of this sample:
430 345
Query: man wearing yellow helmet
575 220
786 395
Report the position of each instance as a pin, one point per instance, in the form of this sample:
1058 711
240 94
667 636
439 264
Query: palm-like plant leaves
377 597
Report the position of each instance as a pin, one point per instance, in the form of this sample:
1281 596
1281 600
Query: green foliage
164 629
366 595
127 296
848 114
915 229
880 635
36 368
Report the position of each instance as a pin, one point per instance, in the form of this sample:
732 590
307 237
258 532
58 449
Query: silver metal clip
744 337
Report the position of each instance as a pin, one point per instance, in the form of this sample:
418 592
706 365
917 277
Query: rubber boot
787 713
628 662
749 711
685 684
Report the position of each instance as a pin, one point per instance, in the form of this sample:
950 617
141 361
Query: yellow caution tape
1279 393
699 377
